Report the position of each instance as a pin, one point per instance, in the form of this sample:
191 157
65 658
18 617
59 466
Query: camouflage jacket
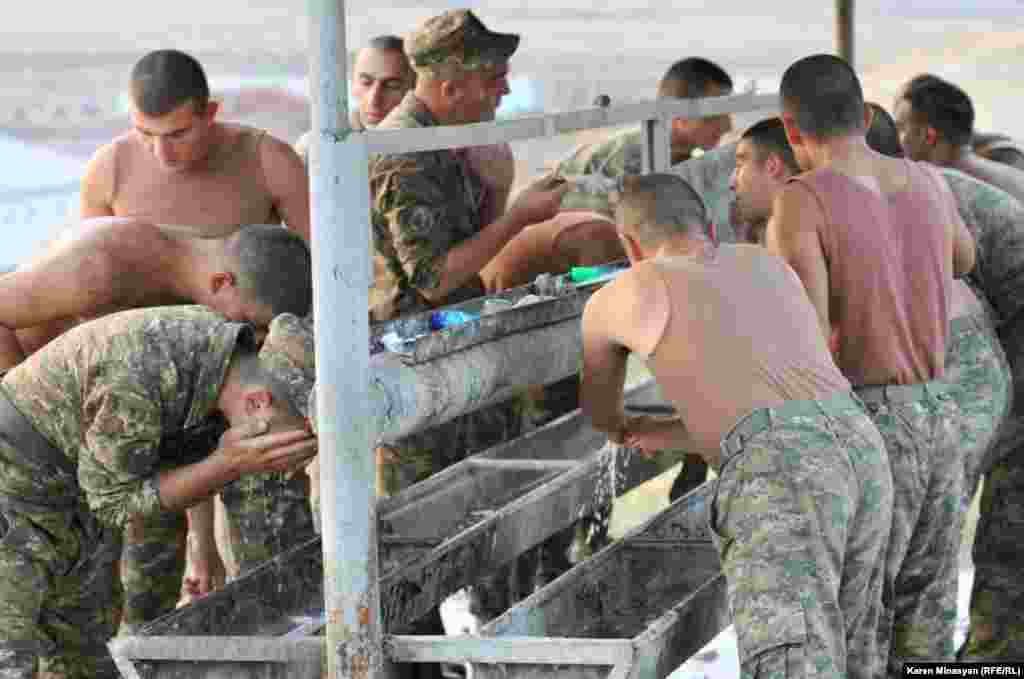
619 155
423 205
996 220
108 393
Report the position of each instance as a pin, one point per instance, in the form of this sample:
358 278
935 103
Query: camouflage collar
410 113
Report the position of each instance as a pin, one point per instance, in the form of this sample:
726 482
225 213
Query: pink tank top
890 275
741 334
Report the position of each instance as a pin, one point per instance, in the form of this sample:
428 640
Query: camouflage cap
287 355
458 38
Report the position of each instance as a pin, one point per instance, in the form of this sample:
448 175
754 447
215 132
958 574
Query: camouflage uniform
424 205
108 397
920 425
270 513
979 378
267 513
619 155
995 219
801 518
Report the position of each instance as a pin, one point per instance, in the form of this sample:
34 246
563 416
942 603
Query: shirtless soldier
803 502
879 269
113 263
185 171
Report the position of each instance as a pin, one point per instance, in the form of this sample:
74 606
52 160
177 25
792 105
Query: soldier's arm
604 366
287 182
627 315
964 247
422 226
97 185
793 234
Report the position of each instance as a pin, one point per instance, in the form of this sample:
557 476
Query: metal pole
844 30
339 200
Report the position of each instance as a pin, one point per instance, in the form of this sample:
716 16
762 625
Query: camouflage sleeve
413 211
119 460
996 220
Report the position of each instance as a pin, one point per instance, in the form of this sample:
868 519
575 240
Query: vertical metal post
657 151
340 210
844 30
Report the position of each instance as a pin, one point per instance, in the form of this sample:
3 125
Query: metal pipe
405 399
844 30
339 202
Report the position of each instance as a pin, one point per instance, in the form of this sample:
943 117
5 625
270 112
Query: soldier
427 211
691 78
935 119
110 264
995 218
879 269
185 171
803 502
381 77
116 419
764 161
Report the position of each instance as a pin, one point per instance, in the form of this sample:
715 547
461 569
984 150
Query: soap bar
439 320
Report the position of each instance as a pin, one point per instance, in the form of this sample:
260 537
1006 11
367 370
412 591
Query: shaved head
659 206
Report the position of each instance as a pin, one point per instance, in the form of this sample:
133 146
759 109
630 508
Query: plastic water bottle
439 320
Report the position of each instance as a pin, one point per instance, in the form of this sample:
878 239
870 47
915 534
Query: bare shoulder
794 203
277 151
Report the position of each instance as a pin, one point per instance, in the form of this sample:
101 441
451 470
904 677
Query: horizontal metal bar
528 465
512 650
218 649
551 125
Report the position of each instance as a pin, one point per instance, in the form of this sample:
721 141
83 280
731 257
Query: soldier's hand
279 451
245 430
540 200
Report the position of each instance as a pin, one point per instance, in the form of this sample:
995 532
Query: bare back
886 238
104 265
214 200
740 334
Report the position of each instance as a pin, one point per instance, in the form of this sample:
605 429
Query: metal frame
340 241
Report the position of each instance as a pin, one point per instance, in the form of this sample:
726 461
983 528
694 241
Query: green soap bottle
583 274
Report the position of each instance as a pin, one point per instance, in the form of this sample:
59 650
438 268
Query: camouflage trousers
801 515
267 514
60 597
920 425
997 597
979 379
152 567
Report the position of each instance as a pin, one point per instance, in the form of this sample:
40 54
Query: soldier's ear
221 281
257 399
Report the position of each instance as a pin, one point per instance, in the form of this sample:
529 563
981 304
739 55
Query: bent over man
802 507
